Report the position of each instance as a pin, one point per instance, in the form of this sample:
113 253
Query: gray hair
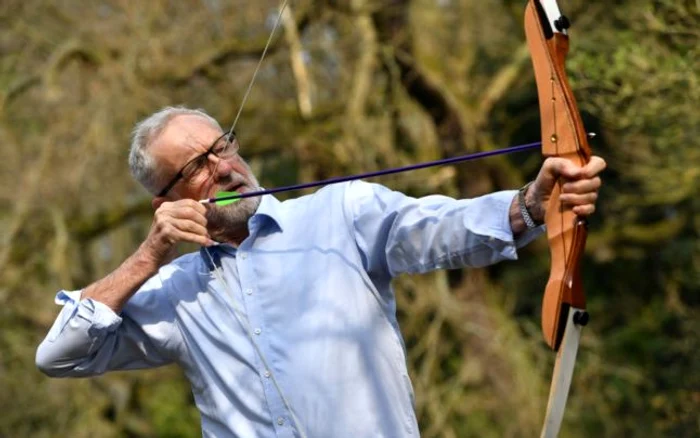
141 164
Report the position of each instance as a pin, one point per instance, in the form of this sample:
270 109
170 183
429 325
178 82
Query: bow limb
563 135
563 372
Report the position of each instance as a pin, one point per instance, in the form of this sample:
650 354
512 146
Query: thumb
554 168
557 167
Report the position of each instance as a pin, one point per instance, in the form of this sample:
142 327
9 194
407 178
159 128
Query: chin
233 216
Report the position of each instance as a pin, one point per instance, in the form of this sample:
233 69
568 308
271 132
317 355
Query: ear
157 202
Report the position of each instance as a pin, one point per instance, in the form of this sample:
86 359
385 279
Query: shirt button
257 331
266 374
249 291
244 255
280 421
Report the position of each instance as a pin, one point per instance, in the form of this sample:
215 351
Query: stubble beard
229 223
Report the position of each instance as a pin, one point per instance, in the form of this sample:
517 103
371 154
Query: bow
563 135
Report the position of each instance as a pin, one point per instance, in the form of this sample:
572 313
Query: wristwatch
527 217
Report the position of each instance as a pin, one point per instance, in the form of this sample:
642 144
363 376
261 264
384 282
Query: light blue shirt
312 284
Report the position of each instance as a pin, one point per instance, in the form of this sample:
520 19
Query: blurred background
354 86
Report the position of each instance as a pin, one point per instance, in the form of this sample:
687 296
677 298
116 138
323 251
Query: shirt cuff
528 236
504 199
97 315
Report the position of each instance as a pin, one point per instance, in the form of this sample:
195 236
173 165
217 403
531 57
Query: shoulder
350 191
347 197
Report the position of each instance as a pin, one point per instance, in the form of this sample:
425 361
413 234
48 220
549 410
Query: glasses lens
194 167
227 146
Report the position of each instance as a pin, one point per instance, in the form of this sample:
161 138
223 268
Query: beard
229 223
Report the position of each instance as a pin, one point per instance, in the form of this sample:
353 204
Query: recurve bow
563 135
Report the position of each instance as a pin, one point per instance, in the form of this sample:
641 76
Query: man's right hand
179 221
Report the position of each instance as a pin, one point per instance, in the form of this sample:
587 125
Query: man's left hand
578 192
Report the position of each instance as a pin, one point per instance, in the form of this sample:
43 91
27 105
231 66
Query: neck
233 237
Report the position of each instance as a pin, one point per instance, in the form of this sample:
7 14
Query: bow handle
563 135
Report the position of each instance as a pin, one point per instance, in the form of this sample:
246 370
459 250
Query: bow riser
564 136
567 235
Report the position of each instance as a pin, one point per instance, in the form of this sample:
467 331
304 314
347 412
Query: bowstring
257 68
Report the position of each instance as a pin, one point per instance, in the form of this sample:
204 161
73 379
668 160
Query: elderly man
285 320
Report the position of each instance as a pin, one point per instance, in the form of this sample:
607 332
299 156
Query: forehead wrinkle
195 144
194 133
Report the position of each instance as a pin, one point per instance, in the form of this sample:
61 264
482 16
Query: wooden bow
563 135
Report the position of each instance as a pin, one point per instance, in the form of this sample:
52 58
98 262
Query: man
284 322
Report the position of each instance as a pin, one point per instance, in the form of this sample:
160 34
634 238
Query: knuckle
167 228
159 222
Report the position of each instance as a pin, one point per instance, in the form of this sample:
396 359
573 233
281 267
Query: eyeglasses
224 147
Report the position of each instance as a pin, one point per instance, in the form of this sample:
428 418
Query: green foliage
170 408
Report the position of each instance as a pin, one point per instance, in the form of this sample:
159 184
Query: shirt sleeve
88 338
400 234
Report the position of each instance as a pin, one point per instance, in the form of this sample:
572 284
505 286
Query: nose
222 168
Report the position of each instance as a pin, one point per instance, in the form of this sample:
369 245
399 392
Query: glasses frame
230 139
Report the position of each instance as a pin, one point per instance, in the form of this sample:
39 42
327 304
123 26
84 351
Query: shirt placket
281 418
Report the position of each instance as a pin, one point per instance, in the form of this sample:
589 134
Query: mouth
235 187
230 190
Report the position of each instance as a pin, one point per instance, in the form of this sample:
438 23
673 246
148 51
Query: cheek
198 186
241 167
199 181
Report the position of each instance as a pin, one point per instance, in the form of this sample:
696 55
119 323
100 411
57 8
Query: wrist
146 260
529 207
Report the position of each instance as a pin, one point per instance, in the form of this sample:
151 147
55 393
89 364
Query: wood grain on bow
563 135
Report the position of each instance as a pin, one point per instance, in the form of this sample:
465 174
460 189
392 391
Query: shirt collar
269 212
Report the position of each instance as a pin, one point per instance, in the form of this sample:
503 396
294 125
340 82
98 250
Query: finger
574 199
582 186
584 210
167 227
186 211
593 167
189 214
564 168
183 231
196 205
189 226
554 168
183 203
188 204
550 172
184 236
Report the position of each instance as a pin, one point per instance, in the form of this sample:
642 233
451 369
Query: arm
173 222
90 336
400 234
115 289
